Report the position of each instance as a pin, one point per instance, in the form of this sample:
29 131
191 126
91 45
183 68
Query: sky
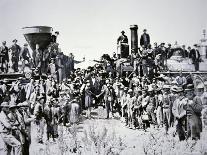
89 28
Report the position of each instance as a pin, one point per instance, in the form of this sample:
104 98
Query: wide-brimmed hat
4 104
176 89
166 86
118 84
5 81
200 86
189 87
12 105
40 97
122 32
23 104
62 93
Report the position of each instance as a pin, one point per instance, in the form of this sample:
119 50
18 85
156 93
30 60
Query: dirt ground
100 136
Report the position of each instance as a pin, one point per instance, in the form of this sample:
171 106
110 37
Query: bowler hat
122 32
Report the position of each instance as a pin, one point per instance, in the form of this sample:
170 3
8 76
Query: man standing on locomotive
15 55
4 57
25 55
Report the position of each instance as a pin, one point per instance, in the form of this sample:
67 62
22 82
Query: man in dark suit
4 57
195 56
15 55
54 37
122 38
145 39
122 43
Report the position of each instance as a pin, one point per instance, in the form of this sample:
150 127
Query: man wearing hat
145 39
25 55
17 119
150 107
193 109
123 38
130 108
39 120
4 57
169 51
6 129
167 106
74 110
53 69
16 49
27 119
54 37
123 102
122 46
109 97
179 111
195 56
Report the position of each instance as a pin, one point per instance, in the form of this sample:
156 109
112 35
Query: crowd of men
43 61
139 100
148 57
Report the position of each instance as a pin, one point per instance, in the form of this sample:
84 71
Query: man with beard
193 108
109 96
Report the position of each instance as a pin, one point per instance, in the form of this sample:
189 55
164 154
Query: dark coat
123 39
192 55
4 53
143 41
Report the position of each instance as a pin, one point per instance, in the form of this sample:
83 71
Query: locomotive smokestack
134 38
